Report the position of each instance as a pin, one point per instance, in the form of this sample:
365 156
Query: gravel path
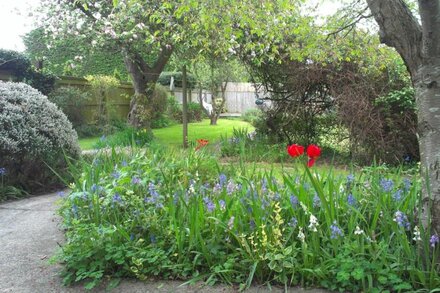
30 235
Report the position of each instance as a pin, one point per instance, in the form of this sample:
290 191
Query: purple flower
293 222
2 171
61 193
231 223
222 204
351 200
231 187
316 201
350 179
152 190
386 184
401 219
210 206
117 198
434 240
222 179
116 174
294 201
397 196
406 184
124 163
135 180
335 231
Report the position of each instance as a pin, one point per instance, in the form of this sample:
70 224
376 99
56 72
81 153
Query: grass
173 135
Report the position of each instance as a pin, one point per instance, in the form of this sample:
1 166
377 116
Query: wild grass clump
174 215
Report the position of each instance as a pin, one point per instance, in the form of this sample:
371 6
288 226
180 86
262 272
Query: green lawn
173 135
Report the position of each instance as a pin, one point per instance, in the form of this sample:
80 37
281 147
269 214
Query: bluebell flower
152 189
210 206
351 200
293 222
94 187
434 240
264 186
252 224
231 187
117 198
153 239
276 196
294 201
116 174
222 204
217 188
222 179
401 219
316 201
335 231
350 178
124 163
386 184
61 193
2 171
135 180
132 237
406 184
397 196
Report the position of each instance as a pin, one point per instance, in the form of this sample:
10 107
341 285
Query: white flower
301 235
313 223
417 234
358 231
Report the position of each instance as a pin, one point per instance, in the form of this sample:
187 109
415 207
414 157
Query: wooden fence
240 97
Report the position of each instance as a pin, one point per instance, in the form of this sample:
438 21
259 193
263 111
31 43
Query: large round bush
35 138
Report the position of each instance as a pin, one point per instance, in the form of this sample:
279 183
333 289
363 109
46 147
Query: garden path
30 234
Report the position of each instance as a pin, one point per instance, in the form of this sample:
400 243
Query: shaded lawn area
172 136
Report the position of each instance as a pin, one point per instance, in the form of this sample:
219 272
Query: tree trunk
144 78
184 109
426 83
214 119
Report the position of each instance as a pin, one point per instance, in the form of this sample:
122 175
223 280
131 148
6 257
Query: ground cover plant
190 218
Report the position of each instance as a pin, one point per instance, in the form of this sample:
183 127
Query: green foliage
188 218
165 79
195 111
35 137
19 66
252 116
126 137
71 101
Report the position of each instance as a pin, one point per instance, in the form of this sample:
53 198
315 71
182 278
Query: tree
144 33
419 46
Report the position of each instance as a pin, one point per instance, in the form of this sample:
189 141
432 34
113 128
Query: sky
16 22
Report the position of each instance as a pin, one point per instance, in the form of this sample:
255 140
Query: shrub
195 111
71 101
252 116
34 134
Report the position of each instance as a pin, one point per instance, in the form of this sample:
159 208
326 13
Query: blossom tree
145 34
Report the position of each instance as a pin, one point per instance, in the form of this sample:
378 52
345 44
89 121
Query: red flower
201 143
313 152
295 150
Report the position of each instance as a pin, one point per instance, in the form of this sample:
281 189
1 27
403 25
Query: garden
278 148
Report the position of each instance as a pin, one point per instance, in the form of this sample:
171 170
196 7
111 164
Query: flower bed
155 214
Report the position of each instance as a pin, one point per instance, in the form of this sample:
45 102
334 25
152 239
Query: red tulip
201 143
313 152
295 150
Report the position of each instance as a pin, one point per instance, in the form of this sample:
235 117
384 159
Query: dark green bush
126 137
71 101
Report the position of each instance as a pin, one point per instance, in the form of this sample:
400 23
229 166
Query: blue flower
153 239
335 231
293 222
75 210
350 178
222 179
252 224
401 219
116 174
351 200
397 196
406 184
316 201
135 180
61 193
386 184
222 204
294 201
124 163
434 240
231 187
117 198
2 171
210 206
